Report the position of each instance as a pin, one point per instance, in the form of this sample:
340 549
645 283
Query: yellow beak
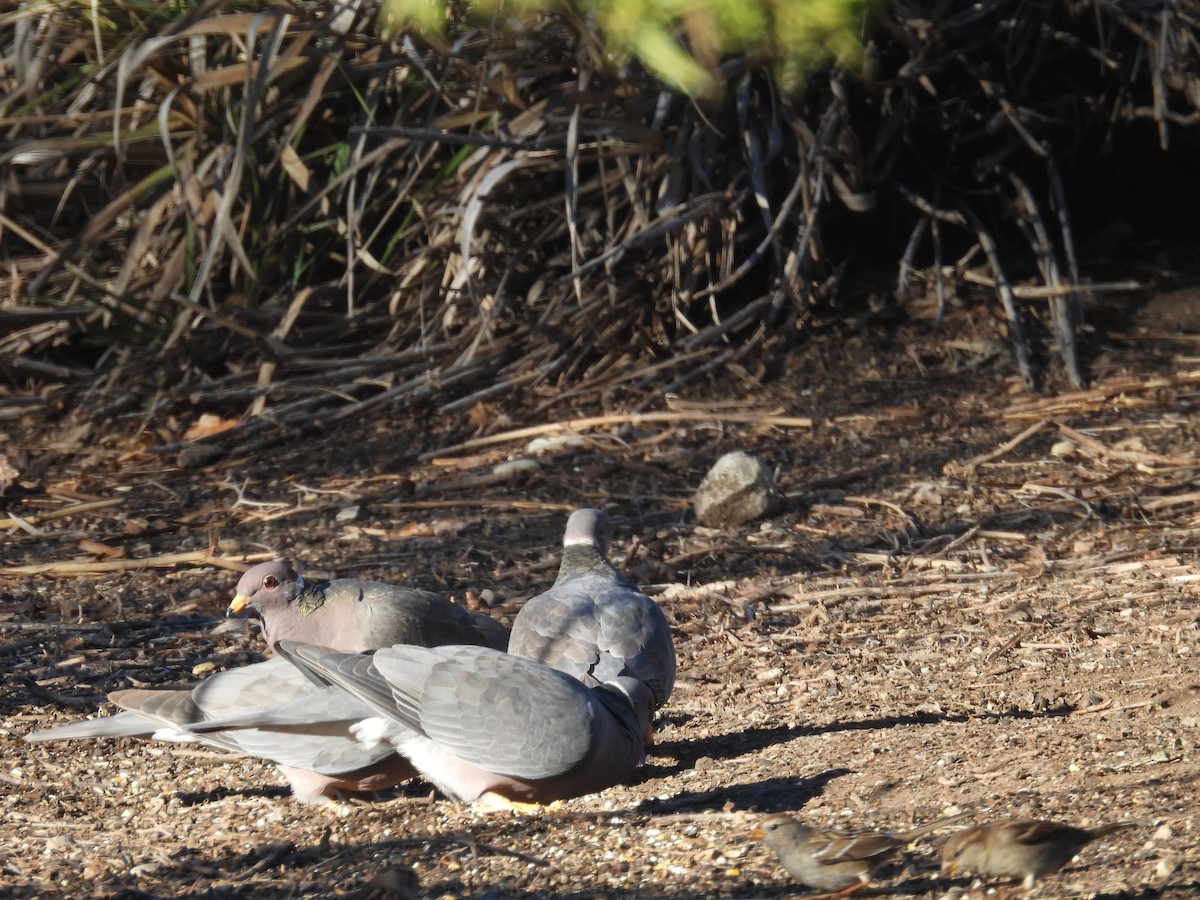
237 604
757 834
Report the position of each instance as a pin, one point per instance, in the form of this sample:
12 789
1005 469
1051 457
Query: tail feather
123 724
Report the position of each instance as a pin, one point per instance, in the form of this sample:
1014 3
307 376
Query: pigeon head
640 701
267 586
589 528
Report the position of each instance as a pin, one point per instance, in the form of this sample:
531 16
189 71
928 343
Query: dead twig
50 515
166 560
591 422
1093 447
968 468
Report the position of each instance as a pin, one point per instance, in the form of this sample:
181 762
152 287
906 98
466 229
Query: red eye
270 581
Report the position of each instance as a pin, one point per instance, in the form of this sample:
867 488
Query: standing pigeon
318 762
354 616
478 722
593 624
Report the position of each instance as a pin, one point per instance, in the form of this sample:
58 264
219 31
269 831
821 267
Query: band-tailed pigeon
355 616
318 761
320 757
475 721
593 623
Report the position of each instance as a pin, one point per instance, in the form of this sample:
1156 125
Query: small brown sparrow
834 860
1020 848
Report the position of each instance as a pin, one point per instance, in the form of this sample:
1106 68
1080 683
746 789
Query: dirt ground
939 620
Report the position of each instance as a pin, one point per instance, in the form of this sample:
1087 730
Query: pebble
554 443
58 844
194 456
94 870
1063 449
737 489
1167 866
515 467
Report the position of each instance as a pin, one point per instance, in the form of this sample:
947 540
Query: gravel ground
935 623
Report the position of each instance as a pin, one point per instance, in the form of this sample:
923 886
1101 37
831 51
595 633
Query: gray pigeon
485 726
593 623
318 762
354 616
319 758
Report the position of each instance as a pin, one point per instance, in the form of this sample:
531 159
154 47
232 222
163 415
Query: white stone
737 489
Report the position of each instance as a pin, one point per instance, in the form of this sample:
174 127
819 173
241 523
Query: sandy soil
934 623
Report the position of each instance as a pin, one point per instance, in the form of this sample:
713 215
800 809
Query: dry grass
246 210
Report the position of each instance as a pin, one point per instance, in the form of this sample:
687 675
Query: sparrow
835 860
1021 848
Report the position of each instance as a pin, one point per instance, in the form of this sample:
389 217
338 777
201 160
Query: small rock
395 883
348 514
1164 833
8 473
927 494
58 844
737 489
94 870
194 456
554 443
1063 449
703 763
1022 612
1167 866
229 545
517 467
143 870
